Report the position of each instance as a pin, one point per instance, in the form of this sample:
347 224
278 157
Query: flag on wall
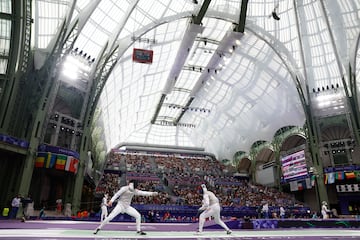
72 164
301 185
357 174
50 160
326 178
331 178
340 176
60 162
40 159
350 175
313 178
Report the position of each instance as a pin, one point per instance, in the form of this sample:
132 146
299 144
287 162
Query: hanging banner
142 55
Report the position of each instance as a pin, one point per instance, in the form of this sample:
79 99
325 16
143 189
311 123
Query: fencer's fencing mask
203 186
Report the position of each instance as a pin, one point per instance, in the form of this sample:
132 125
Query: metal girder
214 60
106 63
188 41
241 26
18 63
184 110
197 19
162 99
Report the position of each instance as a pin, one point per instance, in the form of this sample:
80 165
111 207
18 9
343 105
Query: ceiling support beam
226 42
162 99
194 28
241 26
197 19
187 106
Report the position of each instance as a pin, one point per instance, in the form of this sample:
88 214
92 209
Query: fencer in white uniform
104 206
124 197
211 208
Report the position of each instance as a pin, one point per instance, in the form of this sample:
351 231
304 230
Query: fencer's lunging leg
134 213
217 217
206 214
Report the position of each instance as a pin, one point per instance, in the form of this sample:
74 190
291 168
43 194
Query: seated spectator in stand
166 216
265 210
282 212
151 216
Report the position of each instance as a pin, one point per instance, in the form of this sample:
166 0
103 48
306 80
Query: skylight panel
221 93
152 82
5 35
152 10
81 4
49 17
174 7
187 80
221 122
228 6
177 97
5 6
88 43
3 65
214 28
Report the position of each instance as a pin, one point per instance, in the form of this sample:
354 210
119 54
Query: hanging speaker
275 16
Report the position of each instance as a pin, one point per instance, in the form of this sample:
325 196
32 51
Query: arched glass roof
208 85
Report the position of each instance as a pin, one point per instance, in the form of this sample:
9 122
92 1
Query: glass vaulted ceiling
208 86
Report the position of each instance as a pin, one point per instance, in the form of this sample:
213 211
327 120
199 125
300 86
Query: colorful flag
72 164
326 178
50 160
357 173
350 175
300 185
340 176
313 178
40 159
331 178
60 162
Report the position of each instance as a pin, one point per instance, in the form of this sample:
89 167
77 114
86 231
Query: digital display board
293 166
142 55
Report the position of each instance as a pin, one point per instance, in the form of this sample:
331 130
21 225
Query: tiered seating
184 175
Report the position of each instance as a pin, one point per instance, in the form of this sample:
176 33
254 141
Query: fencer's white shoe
96 230
198 233
228 232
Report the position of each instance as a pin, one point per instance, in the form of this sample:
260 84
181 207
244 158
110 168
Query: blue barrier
239 212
